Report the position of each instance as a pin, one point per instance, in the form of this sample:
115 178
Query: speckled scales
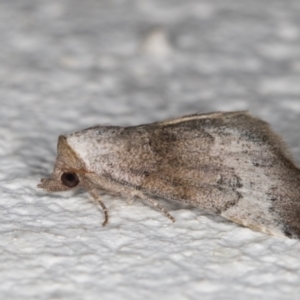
230 164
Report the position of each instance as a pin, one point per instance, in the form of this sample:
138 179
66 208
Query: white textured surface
66 65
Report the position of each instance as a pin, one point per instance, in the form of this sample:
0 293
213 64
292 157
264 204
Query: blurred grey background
69 64
124 61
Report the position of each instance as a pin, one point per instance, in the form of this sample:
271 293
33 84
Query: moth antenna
156 204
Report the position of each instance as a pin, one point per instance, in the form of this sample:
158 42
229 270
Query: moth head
63 181
68 170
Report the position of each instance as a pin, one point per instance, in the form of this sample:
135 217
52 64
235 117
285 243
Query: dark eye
69 179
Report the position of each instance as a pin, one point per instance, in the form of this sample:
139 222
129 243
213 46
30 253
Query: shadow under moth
227 163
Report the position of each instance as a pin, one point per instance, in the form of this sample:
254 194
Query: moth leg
156 204
130 200
96 197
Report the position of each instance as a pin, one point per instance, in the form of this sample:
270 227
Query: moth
227 163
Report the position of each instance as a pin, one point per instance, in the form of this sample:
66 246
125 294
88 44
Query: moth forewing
231 164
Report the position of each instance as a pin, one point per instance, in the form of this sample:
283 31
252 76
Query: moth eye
70 179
